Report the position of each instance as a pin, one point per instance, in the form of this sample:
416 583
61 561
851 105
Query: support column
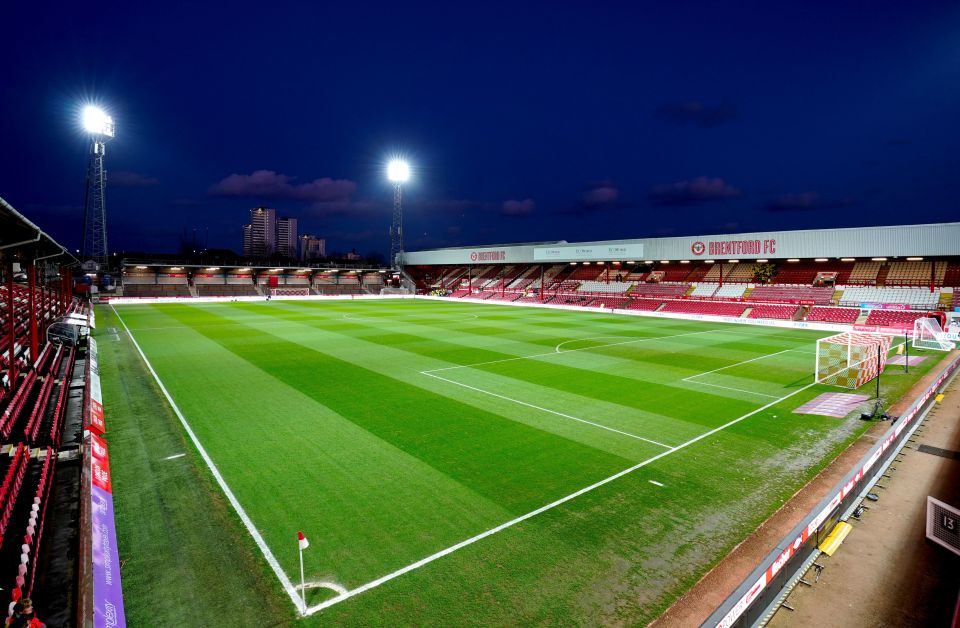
32 305
11 316
541 283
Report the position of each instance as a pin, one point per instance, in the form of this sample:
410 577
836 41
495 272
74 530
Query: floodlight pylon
94 246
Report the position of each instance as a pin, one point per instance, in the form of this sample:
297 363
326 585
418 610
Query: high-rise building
260 236
287 237
312 247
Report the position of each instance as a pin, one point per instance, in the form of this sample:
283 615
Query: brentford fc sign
488 256
734 247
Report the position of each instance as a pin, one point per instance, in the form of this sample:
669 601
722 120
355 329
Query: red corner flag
304 543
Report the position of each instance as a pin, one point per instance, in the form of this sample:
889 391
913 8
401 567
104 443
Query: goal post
927 334
290 292
851 359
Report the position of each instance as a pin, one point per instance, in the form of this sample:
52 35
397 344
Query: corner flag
304 543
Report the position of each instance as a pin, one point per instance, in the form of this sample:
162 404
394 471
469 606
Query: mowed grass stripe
510 463
293 464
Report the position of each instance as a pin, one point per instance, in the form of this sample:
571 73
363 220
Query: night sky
522 121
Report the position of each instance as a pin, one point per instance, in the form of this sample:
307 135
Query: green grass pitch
450 463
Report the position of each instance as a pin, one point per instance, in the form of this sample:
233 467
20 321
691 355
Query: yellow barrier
835 538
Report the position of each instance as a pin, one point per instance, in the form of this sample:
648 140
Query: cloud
806 201
267 184
601 195
514 207
453 205
696 114
693 191
125 179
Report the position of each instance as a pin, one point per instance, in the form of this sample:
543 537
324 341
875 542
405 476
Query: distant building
352 256
260 236
312 247
287 237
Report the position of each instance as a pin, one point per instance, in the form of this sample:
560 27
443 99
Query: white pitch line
541 355
542 409
730 366
175 456
655 483
533 513
247 522
749 392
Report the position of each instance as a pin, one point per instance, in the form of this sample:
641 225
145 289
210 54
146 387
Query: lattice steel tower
100 127
397 171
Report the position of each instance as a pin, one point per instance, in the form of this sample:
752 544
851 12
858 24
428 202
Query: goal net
927 334
290 292
851 359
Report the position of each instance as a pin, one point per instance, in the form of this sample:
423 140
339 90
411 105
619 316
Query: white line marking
542 355
399 319
175 456
566 342
324 584
749 392
247 522
730 366
530 405
655 483
533 513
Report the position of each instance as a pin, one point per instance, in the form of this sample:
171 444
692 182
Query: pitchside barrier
759 595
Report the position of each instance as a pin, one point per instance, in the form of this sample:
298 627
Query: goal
927 334
851 359
290 292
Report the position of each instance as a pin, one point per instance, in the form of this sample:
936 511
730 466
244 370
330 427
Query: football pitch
504 464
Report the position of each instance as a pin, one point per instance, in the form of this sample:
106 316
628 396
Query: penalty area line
533 513
247 522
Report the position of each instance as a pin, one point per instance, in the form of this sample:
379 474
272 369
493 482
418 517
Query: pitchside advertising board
107 593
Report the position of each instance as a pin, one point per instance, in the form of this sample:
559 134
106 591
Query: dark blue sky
523 121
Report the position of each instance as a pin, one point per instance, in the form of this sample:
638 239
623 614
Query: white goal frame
289 291
851 359
927 334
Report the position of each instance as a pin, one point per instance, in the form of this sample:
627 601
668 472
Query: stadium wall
866 242
758 596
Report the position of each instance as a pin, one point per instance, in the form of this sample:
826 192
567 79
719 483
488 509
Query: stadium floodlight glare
848 259
684 261
97 122
762 261
878 259
914 259
398 171
821 259
709 261
793 259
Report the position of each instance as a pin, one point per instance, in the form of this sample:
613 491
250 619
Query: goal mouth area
851 359
928 334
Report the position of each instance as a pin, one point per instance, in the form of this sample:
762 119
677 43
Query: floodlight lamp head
398 171
97 122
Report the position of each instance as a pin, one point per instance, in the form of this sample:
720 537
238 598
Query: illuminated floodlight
97 122
398 171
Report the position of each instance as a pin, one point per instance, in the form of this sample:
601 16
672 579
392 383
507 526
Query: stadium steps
946 300
837 295
882 275
193 290
862 319
746 313
691 289
747 293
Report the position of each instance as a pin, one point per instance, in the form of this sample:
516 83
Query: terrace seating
912 298
339 289
644 305
613 287
711 308
893 318
586 273
698 272
863 274
156 290
673 272
226 290
919 273
610 302
777 312
951 276
704 289
847 315
820 296
730 291
660 289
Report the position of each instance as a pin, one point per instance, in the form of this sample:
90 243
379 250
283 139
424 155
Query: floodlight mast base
396 229
94 207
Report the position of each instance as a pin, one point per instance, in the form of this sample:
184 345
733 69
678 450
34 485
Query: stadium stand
778 312
893 318
585 273
863 274
610 302
613 287
712 308
730 291
224 290
660 289
917 273
820 296
846 315
705 290
672 272
156 291
910 298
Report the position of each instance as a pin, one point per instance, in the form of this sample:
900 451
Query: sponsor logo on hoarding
735 247
698 248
